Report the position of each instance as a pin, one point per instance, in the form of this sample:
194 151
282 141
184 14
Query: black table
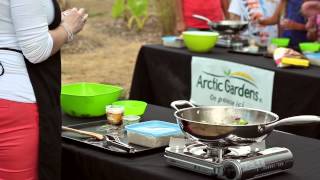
83 163
163 75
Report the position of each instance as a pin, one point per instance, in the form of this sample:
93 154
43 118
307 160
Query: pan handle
303 119
202 18
174 104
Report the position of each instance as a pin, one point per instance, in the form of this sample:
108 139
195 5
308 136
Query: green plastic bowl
280 42
132 107
200 41
88 99
309 46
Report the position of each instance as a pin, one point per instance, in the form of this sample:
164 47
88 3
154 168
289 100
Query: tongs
108 140
112 140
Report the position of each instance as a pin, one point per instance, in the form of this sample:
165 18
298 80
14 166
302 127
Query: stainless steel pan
214 124
224 27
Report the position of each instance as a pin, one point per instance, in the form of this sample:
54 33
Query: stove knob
229 171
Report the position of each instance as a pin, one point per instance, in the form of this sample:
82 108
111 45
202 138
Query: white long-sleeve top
23 26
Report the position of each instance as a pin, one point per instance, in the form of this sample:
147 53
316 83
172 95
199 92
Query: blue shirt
293 13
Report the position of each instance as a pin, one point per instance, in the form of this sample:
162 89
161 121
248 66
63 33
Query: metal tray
102 127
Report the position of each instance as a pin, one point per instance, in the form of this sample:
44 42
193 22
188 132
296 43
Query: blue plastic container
152 133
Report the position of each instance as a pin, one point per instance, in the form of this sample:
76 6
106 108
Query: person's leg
19 131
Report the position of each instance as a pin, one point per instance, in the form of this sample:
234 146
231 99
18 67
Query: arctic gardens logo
236 83
241 76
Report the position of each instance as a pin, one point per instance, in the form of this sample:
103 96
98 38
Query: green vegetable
239 121
242 122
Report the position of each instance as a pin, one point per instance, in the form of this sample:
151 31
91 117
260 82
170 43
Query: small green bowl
280 42
200 41
309 46
132 107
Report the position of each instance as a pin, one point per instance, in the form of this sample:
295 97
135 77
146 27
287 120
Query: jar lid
114 108
131 118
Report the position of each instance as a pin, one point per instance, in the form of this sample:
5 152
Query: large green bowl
280 42
309 47
132 107
200 41
88 99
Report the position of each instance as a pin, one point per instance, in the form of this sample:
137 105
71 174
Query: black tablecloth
163 75
83 163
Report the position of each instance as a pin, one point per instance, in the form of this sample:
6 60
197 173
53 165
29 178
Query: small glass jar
115 114
237 46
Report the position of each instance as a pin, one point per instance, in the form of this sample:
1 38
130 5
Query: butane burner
230 163
228 41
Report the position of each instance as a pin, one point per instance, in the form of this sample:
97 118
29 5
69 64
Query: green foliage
136 9
118 8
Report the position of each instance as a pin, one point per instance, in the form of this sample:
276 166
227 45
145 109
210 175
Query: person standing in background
311 10
252 10
215 10
31 35
292 24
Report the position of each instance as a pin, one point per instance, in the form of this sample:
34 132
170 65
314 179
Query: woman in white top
252 10
31 34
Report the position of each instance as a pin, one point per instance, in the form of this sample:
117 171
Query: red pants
19 139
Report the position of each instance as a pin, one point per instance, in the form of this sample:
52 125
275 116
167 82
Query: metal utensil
213 124
224 27
108 140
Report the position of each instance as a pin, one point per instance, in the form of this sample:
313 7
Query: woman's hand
288 24
72 22
74 19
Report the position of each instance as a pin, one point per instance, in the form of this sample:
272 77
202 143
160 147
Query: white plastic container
172 41
152 133
314 58
130 119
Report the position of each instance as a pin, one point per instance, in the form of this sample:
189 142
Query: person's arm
310 9
234 17
225 6
72 23
180 24
292 25
60 37
32 33
275 18
234 10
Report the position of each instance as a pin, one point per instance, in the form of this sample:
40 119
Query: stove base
263 163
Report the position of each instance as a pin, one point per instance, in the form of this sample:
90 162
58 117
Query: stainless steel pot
213 124
224 27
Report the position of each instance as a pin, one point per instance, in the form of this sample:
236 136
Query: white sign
218 82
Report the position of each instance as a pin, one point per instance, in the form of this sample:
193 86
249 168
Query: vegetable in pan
240 121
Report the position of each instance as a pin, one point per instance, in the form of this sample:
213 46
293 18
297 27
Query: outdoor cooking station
83 162
213 146
158 80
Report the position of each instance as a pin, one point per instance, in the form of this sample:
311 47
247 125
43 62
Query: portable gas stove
228 40
230 163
